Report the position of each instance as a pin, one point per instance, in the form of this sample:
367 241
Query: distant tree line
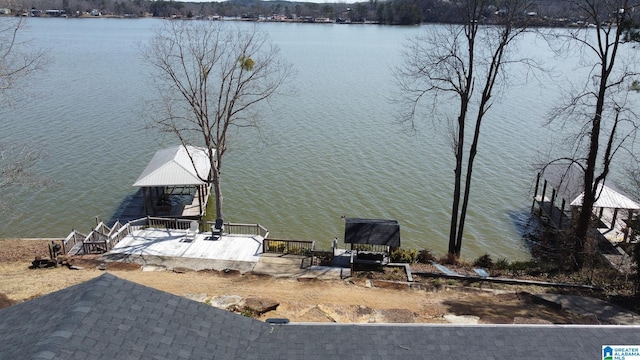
397 12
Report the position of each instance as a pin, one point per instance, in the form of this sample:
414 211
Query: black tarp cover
372 231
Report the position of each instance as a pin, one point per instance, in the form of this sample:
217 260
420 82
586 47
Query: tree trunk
217 190
457 189
584 218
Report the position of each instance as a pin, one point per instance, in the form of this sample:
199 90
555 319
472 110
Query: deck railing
241 229
115 228
293 247
168 223
102 238
370 248
115 237
74 238
96 241
102 229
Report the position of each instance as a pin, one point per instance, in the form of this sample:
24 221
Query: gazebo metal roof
607 197
173 167
372 231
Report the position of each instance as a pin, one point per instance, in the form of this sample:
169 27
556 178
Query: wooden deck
193 210
558 218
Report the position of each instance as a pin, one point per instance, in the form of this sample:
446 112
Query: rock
152 267
461 319
521 320
315 314
395 316
74 267
225 301
5 301
258 306
349 313
230 272
182 269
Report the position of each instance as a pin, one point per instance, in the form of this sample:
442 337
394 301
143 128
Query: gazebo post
200 198
552 203
535 192
544 190
144 200
561 213
627 229
613 220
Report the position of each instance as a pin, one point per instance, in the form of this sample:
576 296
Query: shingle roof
111 318
173 167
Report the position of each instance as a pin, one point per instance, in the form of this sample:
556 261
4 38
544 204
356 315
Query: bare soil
350 300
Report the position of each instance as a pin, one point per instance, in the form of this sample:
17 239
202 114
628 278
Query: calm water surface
333 149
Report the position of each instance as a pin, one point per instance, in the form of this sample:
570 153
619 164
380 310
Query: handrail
294 247
119 235
169 223
241 229
71 240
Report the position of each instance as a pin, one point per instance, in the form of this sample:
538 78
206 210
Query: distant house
55 13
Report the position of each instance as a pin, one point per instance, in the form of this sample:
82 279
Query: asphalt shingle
107 318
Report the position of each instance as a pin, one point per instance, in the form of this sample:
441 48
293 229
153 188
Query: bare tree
212 78
17 162
600 104
463 64
18 61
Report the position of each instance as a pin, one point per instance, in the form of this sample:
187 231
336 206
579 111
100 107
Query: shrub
449 259
425 257
502 264
277 246
484 261
404 256
519 266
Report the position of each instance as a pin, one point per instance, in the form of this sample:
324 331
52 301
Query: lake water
333 149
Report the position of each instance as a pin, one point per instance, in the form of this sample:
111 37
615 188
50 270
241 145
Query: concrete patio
168 248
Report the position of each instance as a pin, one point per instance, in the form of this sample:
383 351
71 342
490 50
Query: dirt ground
350 300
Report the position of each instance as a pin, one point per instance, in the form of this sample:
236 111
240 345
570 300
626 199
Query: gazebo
567 187
372 239
172 184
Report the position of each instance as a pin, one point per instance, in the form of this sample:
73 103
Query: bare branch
213 77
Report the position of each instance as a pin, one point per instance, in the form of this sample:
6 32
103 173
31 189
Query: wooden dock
133 207
608 233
